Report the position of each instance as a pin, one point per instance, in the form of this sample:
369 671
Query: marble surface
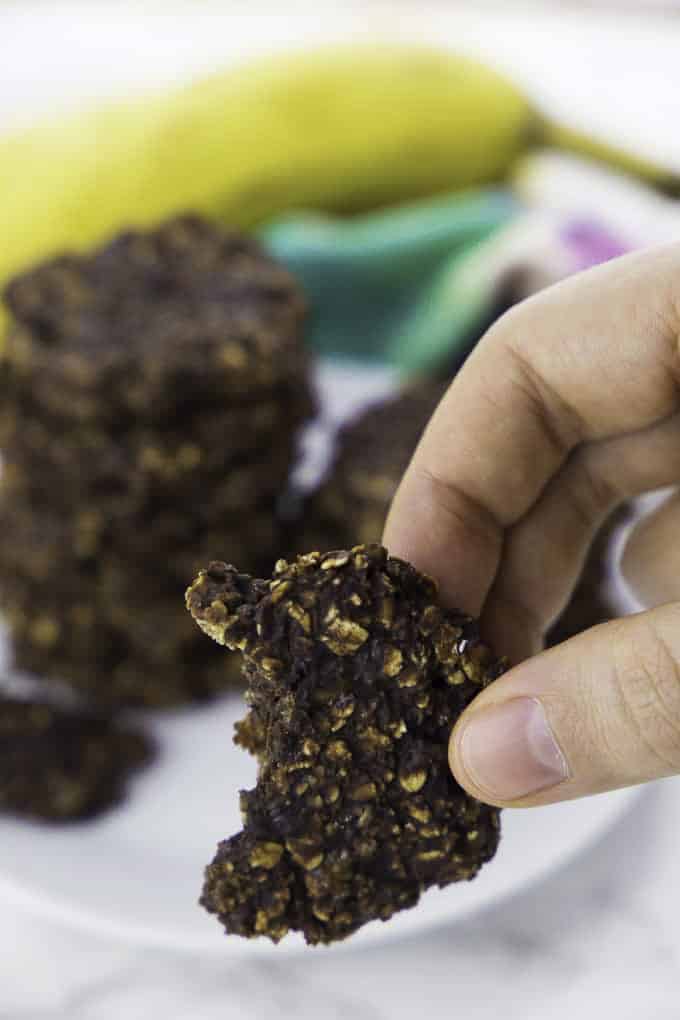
602 937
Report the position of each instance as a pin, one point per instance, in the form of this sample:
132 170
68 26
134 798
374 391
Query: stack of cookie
152 396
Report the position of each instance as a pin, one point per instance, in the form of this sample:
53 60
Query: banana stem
562 137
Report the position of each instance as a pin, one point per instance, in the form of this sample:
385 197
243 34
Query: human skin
569 405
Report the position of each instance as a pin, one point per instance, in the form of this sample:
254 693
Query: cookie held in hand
355 677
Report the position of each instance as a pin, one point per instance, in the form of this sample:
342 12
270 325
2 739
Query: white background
601 939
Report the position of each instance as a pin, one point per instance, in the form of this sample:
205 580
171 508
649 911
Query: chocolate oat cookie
167 450
120 677
50 541
372 454
121 482
113 627
179 317
60 766
355 678
114 650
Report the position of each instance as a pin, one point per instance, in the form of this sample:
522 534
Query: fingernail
509 750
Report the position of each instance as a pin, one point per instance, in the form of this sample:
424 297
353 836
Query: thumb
595 713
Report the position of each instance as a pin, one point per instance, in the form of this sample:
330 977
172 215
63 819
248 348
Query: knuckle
647 675
467 515
553 419
558 421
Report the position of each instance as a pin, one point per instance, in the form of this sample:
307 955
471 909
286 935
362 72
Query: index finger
591 358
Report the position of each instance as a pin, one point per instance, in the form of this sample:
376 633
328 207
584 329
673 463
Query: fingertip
506 753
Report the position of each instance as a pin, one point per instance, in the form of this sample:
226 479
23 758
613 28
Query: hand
569 405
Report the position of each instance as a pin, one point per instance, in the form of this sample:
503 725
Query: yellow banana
340 129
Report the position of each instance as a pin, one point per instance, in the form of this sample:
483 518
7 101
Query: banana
340 129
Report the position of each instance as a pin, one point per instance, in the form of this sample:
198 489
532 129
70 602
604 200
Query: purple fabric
590 243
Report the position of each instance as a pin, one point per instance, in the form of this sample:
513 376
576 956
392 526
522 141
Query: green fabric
382 286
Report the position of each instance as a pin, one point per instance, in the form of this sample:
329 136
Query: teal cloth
383 287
